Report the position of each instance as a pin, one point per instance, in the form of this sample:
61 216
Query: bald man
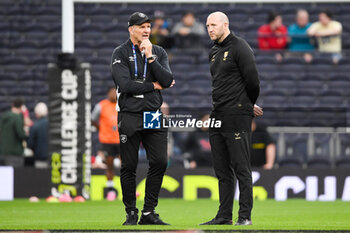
235 89
299 40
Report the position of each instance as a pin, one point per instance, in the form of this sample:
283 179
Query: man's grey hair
40 110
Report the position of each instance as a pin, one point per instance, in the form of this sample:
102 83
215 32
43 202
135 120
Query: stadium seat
332 101
296 145
318 162
322 144
322 60
305 92
344 139
303 101
343 162
331 93
281 92
273 101
290 162
293 60
314 77
265 60
340 77
311 84
182 60
341 86
32 38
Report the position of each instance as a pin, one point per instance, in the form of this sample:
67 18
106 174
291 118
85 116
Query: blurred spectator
197 147
105 119
38 136
328 34
174 153
160 31
299 40
272 35
12 135
188 32
26 117
264 149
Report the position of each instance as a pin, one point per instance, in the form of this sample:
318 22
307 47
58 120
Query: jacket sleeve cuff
149 86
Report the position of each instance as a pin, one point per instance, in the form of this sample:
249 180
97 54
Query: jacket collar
136 46
226 40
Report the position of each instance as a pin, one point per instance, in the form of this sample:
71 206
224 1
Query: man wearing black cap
140 71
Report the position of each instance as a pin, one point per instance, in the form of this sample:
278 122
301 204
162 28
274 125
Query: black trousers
155 143
231 159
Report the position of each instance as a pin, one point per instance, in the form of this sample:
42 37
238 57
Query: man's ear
131 29
226 25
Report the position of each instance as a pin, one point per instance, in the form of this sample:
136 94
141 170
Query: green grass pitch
182 215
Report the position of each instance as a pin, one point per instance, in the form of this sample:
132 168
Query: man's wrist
151 58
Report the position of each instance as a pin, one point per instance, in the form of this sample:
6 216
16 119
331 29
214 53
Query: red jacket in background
269 39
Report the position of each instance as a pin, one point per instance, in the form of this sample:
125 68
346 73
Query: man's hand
193 164
268 166
157 86
172 83
146 45
258 111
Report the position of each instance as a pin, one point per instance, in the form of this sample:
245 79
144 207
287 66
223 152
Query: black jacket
123 70
235 80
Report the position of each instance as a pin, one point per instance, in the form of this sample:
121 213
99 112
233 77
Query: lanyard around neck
135 60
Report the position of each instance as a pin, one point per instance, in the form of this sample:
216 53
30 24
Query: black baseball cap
138 18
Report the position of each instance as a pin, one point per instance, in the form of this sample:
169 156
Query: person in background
299 41
26 117
188 31
272 35
105 119
264 149
38 136
160 31
328 34
198 147
12 135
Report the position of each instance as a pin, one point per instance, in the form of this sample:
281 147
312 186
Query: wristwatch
153 57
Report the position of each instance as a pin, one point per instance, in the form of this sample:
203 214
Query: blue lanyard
135 60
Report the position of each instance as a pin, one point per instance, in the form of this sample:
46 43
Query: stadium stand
293 93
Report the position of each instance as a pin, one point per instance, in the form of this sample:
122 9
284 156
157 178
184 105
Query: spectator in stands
272 35
38 136
298 39
187 31
26 117
174 153
12 135
328 34
197 148
160 31
104 118
264 149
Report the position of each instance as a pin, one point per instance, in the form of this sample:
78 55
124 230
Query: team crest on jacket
123 138
225 56
237 136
